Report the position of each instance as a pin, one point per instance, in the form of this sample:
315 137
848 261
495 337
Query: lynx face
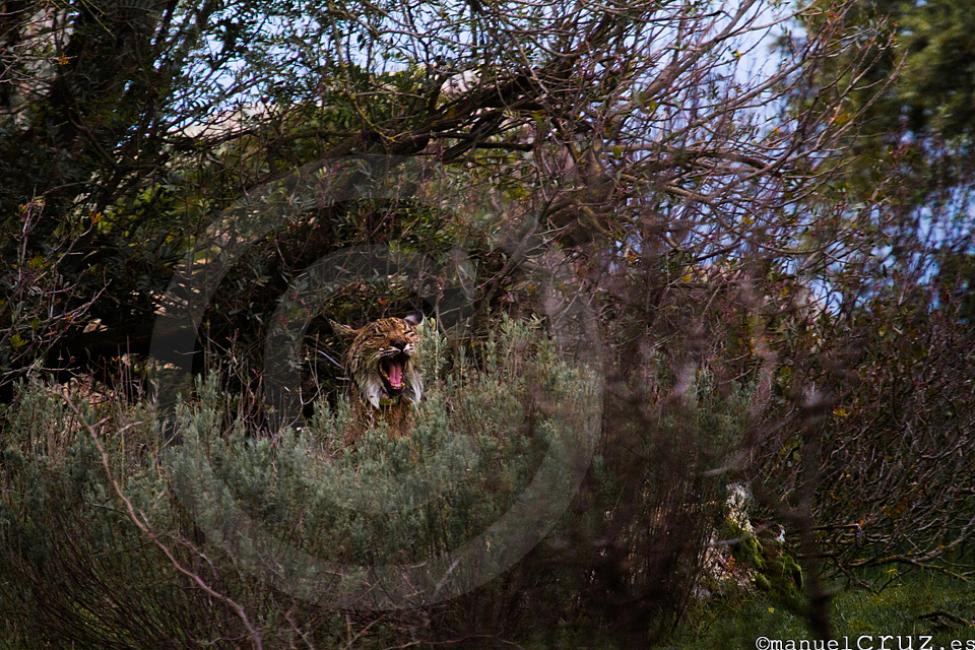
381 358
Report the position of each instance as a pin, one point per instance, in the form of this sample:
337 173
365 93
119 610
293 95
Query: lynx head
381 359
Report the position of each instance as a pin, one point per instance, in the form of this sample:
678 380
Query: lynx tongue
395 371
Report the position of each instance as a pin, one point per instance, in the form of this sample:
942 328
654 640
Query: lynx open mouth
392 370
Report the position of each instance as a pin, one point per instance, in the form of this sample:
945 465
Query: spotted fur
381 361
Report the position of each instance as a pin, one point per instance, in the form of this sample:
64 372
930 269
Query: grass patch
914 603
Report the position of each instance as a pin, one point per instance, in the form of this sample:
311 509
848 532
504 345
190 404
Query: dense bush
301 538
309 538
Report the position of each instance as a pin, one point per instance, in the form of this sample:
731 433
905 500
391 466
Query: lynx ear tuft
414 318
342 330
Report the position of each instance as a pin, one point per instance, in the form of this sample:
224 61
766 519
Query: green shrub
473 527
76 568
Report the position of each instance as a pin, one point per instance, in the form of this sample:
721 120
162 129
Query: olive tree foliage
127 129
920 120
